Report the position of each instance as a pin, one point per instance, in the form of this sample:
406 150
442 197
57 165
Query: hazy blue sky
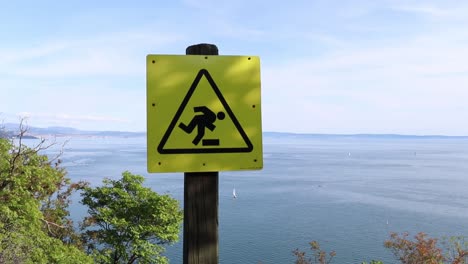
370 66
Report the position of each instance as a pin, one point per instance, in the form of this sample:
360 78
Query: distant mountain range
11 129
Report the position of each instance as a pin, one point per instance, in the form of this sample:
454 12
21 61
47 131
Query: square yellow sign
203 113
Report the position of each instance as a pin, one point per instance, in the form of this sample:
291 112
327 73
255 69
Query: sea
347 193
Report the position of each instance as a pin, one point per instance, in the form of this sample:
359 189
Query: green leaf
130 221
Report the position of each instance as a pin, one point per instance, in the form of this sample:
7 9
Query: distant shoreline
38 132
402 136
114 134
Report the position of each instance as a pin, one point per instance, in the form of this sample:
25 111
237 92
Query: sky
340 67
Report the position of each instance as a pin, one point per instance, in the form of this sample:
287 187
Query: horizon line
272 132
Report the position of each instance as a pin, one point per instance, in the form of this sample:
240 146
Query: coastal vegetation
34 221
420 250
127 223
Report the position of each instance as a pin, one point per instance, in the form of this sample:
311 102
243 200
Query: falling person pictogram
202 121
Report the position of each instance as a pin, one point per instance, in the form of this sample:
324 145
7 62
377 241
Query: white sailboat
234 195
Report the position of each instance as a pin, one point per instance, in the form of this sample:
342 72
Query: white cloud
117 54
18 55
419 86
425 10
434 11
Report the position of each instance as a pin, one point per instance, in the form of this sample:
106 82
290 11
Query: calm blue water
340 192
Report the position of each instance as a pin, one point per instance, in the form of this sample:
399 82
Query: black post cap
202 49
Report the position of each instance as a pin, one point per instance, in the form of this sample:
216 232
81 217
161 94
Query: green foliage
56 215
129 223
373 262
27 181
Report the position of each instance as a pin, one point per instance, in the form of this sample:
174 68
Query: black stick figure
206 119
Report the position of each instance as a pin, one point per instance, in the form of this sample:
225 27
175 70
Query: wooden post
201 202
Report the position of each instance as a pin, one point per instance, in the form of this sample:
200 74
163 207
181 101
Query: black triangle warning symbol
202 122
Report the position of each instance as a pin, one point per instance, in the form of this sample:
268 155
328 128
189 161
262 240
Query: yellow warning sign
203 113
